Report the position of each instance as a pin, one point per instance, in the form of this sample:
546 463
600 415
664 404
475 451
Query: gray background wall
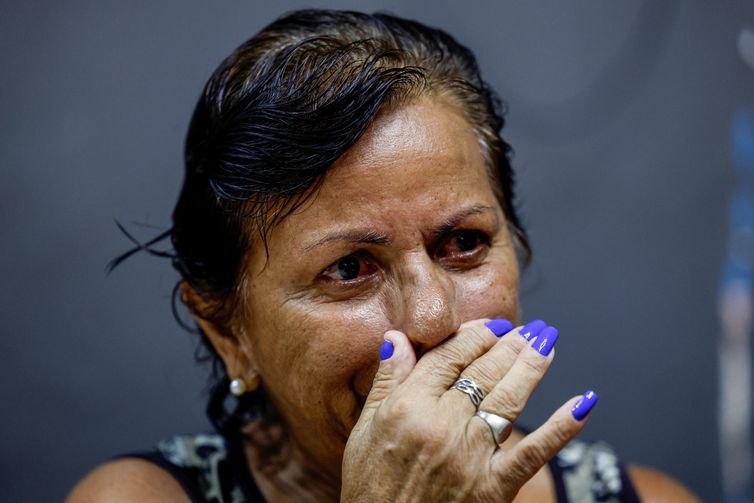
619 113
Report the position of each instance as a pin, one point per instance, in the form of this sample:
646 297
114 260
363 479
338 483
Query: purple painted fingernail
499 326
584 405
386 351
532 329
546 339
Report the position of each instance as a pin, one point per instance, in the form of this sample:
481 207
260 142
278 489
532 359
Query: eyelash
481 240
458 262
363 261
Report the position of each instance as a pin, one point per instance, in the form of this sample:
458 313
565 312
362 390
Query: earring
237 387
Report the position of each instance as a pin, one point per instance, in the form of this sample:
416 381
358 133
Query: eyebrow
354 237
452 222
377 238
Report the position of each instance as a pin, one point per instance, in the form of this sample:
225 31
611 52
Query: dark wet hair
272 119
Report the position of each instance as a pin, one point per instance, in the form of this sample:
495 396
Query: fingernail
584 405
546 339
386 351
532 329
499 326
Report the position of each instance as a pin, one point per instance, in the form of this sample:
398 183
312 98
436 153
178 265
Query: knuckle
517 343
485 373
507 400
532 457
512 347
480 330
461 348
478 335
534 365
392 412
535 454
445 364
454 351
472 325
517 472
380 386
399 408
561 434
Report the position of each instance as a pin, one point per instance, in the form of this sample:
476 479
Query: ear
232 345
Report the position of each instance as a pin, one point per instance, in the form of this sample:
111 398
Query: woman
349 248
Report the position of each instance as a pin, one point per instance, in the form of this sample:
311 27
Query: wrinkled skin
405 237
432 259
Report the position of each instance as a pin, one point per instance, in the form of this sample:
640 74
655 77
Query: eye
463 248
350 268
467 241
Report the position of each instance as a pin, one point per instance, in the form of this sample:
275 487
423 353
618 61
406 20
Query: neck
280 468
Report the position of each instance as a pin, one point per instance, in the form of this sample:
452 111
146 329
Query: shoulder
656 487
126 480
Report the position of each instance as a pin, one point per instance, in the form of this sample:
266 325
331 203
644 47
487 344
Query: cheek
490 292
321 352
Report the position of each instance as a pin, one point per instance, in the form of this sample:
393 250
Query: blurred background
634 142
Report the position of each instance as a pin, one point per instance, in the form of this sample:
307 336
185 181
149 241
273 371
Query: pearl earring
237 387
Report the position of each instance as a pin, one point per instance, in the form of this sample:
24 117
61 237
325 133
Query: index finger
440 367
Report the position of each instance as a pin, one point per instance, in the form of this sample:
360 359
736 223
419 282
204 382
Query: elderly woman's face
405 234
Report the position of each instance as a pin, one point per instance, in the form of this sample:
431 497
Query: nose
428 300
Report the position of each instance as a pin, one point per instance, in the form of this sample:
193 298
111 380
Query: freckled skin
316 345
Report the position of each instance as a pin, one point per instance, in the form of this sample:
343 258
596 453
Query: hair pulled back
276 114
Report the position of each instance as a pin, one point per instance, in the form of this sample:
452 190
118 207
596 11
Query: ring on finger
468 386
499 426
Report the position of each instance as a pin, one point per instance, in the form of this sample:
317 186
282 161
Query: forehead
422 129
415 163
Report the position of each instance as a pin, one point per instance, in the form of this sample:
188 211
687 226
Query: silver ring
499 426
471 388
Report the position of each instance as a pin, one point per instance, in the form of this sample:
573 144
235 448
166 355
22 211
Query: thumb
397 360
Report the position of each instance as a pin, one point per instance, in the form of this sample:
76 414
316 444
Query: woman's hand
418 439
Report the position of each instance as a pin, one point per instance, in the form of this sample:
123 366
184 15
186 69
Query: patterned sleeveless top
212 470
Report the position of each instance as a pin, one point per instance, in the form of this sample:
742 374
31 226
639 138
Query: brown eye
348 268
467 241
463 248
